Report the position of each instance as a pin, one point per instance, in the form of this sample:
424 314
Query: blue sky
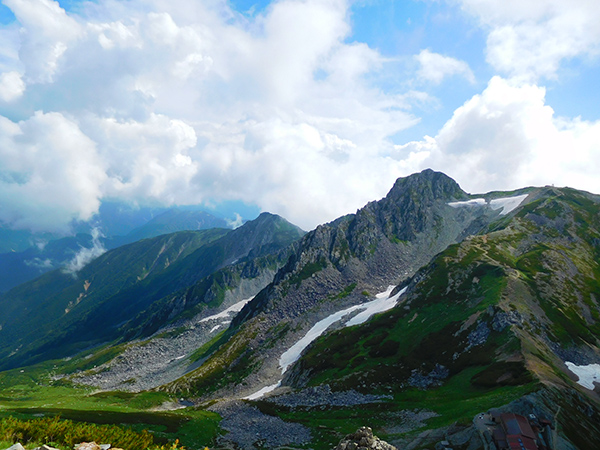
305 108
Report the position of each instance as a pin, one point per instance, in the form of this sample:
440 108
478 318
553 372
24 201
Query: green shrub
308 270
68 433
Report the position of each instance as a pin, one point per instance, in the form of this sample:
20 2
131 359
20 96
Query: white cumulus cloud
435 67
191 102
11 86
529 39
183 102
508 137
50 173
86 255
46 33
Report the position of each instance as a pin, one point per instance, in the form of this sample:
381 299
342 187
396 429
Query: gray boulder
363 439
16 446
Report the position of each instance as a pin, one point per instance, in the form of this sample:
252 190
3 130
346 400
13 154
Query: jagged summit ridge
413 203
385 241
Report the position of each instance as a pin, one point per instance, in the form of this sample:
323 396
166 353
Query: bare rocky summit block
363 439
16 446
88 446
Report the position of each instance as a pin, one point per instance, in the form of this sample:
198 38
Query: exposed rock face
385 241
323 395
363 439
432 379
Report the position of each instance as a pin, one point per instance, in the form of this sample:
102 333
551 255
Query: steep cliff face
336 265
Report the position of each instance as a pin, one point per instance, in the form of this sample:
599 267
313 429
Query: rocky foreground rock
363 439
82 446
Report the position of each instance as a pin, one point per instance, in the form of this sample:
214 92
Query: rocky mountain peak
265 234
266 221
428 185
268 217
413 205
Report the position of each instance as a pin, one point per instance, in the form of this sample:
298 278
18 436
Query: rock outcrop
363 439
82 446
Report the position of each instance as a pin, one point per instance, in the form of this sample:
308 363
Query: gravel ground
160 360
147 364
248 428
322 395
409 420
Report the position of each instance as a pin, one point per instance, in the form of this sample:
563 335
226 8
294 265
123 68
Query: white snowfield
216 327
472 202
225 314
587 374
506 204
382 303
263 391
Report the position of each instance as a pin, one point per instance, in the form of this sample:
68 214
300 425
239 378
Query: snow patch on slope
507 204
227 313
382 303
588 375
376 306
473 202
293 353
263 391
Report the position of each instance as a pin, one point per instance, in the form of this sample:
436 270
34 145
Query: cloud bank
192 102
507 137
435 67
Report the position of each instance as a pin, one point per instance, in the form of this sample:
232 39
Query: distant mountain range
60 312
415 313
25 255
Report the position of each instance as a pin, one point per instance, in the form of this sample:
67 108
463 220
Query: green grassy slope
37 392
